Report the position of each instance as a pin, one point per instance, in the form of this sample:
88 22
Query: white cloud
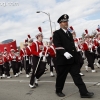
17 21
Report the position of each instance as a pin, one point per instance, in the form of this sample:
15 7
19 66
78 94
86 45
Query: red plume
40 29
97 29
86 31
71 28
29 36
26 40
50 38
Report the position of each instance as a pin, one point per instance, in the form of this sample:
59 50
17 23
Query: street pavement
17 88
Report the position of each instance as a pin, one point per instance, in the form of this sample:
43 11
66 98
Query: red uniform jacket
1 61
6 58
19 58
52 51
96 43
25 52
37 47
85 46
13 57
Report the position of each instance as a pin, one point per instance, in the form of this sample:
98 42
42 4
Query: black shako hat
63 18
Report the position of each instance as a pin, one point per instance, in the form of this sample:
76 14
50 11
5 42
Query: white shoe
32 86
98 84
20 72
3 75
93 71
81 74
51 74
86 68
17 74
8 76
94 63
36 80
98 65
27 75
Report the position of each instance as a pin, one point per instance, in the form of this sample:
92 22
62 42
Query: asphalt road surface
17 88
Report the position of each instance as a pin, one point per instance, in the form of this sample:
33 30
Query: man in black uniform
67 59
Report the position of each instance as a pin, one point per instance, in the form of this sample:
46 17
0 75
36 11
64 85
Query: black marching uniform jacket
64 43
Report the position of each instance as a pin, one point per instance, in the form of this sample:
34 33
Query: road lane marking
24 81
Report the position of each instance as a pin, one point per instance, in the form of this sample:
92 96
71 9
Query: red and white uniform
6 58
96 42
25 52
86 46
19 58
52 51
78 46
13 57
1 61
75 40
37 47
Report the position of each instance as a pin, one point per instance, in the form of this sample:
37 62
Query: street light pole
52 22
49 19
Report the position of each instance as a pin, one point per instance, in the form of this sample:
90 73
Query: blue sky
18 21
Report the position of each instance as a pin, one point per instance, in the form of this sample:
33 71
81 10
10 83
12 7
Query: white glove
90 46
95 47
99 41
40 54
76 45
14 57
47 55
67 55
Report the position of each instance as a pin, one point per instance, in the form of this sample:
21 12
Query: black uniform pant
30 63
26 65
74 70
3 71
6 68
1 67
19 66
90 58
80 59
51 60
40 69
14 67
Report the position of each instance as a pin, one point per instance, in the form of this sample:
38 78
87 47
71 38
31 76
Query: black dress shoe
88 95
60 94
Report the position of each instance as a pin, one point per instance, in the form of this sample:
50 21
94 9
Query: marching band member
96 39
88 47
19 62
13 58
1 65
30 41
6 63
98 49
3 70
78 48
25 53
51 56
38 63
